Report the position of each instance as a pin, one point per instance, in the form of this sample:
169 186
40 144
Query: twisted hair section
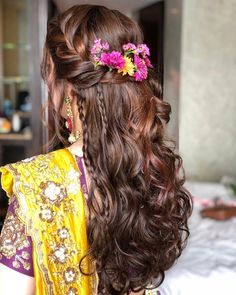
102 108
138 205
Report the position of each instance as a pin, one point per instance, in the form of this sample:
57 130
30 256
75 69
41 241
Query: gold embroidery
46 214
152 292
70 275
53 192
52 206
60 254
13 239
63 233
72 291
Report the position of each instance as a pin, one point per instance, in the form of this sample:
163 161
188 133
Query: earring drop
69 114
73 137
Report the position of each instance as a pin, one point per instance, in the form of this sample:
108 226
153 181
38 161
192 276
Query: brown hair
139 226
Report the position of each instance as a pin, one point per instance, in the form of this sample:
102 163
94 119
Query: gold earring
74 136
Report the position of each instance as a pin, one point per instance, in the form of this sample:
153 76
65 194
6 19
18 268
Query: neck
76 147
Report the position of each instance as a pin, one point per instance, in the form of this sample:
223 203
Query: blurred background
193 45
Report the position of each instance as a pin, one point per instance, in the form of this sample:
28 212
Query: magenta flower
141 72
147 62
138 76
113 60
129 46
133 61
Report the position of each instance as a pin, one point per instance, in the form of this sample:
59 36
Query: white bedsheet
208 264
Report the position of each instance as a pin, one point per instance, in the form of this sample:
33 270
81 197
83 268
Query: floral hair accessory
133 60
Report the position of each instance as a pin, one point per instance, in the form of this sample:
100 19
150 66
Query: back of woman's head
137 200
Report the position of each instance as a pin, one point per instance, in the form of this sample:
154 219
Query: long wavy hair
136 196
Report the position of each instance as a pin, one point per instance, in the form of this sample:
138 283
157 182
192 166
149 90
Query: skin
23 284
13 282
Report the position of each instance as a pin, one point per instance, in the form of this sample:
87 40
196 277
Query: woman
108 213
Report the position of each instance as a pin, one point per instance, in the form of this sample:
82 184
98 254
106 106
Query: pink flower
129 46
147 62
141 72
143 49
105 46
138 76
113 60
99 46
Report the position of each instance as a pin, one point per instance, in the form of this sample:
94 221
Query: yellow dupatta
52 207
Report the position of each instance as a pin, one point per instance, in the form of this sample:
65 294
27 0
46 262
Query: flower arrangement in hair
134 60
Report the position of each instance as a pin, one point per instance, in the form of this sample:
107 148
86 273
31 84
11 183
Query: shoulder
56 157
45 186
32 172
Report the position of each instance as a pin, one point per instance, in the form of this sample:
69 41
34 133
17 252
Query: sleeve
15 245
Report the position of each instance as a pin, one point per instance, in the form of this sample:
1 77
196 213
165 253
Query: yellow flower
128 67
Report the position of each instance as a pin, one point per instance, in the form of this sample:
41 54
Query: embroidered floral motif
12 236
63 233
53 192
72 291
14 239
46 214
60 254
19 260
25 255
74 176
70 275
73 186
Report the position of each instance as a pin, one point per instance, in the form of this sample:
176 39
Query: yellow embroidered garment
52 207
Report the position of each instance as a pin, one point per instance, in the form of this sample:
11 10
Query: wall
126 6
207 129
172 53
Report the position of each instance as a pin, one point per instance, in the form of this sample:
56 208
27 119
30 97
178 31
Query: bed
208 264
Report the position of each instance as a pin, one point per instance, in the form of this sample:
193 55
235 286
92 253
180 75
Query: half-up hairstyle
138 206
